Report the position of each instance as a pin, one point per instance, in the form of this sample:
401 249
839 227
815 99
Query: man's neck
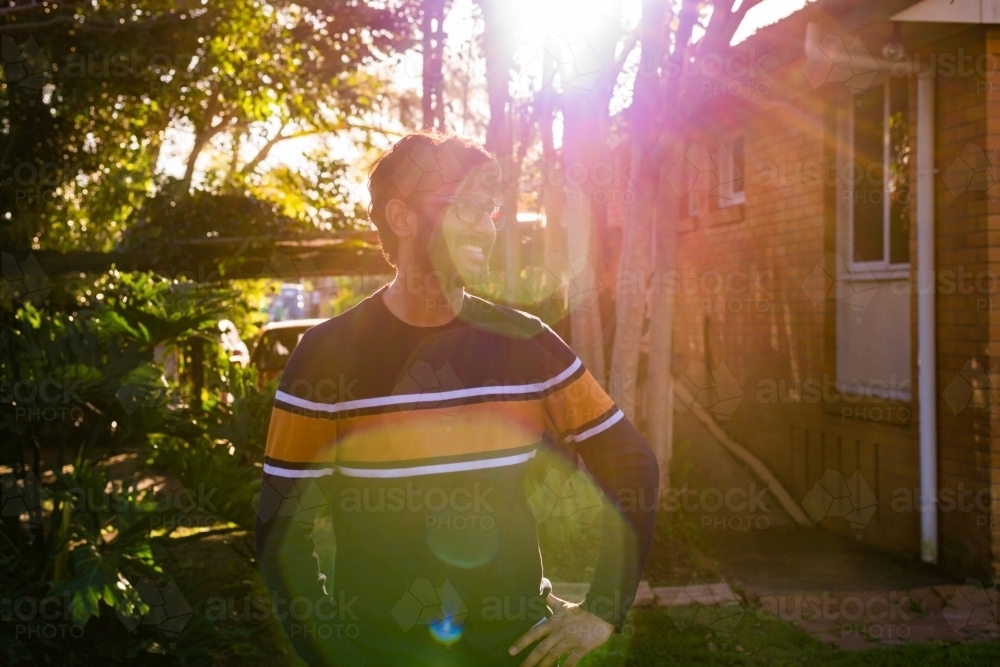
417 298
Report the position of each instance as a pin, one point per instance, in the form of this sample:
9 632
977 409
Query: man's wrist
611 608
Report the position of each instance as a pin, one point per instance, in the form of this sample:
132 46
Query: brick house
851 159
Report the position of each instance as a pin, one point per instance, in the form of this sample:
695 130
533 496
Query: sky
537 20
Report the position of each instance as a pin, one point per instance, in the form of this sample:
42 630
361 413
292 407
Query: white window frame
881 268
863 273
727 174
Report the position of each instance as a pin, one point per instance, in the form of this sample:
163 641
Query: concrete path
830 585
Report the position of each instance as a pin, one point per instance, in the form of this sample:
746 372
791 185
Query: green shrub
226 454
78 556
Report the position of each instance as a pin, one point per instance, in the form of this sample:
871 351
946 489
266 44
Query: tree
113 77
432 43
657 124
498 47
588 78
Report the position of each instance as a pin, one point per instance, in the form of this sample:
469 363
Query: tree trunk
667 141
432 42
633 266
585 314
588 83
660 381
553 190
498 45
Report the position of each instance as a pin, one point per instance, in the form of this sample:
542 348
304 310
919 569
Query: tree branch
262 153
720 32
203 136
18 27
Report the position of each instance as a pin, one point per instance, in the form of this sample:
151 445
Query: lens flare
463 541
446 631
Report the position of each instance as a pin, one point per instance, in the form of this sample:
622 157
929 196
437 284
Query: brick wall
751 305
992 86
963 313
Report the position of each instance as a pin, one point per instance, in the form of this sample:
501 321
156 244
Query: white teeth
474 249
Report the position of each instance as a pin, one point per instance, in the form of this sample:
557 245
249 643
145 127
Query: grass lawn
657 641
219 568
217 571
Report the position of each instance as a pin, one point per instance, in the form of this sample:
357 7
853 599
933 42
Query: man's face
453 241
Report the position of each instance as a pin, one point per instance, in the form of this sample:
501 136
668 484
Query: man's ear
401 219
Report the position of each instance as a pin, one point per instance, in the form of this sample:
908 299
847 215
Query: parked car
288 304
275 344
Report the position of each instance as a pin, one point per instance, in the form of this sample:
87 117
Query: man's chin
471 274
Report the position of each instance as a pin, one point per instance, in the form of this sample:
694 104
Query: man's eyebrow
481 194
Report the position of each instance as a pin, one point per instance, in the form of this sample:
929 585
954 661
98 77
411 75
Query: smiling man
413 419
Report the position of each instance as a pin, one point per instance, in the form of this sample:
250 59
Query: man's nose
486 221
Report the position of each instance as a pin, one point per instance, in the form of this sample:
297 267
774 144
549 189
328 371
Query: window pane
899 172
867 177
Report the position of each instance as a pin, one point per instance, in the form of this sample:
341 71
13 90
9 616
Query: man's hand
570 630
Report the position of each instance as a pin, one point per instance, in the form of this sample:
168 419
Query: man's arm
625 469
298 460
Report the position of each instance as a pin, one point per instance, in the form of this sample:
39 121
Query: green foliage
109 531
352 290
317 194
537 291
227 455
79 385
87 376
164 221
84 128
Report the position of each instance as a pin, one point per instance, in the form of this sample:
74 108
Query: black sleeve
623 466
286 553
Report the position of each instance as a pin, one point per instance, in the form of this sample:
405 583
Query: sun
536 20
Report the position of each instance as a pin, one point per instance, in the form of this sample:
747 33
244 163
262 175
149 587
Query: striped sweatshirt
417 441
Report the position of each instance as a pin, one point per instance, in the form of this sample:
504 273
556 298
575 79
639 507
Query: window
880 216
732 182
873 242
